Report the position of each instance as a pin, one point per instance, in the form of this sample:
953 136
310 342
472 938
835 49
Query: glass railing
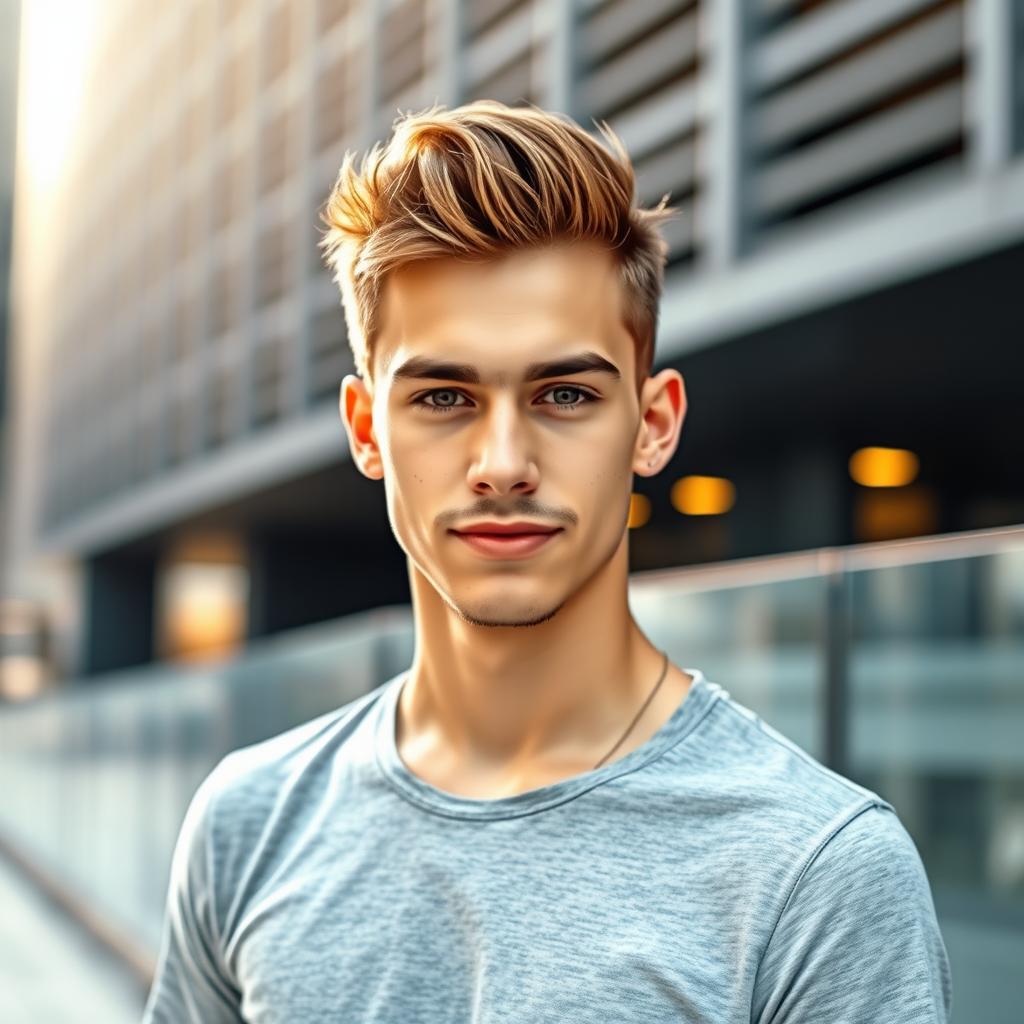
900 665
96 778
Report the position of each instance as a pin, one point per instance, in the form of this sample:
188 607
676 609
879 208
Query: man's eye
438 391
585 396
443 407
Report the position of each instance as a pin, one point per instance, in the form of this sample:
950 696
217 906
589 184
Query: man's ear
356 406
663 408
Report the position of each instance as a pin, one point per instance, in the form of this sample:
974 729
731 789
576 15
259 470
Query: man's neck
426 753
503 706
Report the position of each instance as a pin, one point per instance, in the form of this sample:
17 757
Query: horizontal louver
267 397
402 59
274 250
498 58
330 358
638 70
850 96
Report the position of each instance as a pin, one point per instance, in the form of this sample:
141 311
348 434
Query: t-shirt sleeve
857 941
191 984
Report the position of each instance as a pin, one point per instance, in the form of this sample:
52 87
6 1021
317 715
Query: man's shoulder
259 770
816 843
861 896
782 786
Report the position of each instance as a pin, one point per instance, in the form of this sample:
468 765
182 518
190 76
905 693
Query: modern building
841 298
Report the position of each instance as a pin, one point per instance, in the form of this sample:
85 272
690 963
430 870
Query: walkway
51 970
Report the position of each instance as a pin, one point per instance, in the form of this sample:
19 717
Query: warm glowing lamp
204 609
203 597
703 495
883 467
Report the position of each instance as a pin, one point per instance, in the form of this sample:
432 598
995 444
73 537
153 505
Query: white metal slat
843 158
500 46
675 169
814 38
477 13
681 231
869 76
618 24
634 70
772 8
658 119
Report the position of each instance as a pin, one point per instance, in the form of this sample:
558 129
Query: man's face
557 450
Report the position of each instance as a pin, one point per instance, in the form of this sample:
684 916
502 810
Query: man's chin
510 615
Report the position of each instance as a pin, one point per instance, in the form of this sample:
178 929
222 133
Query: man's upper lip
519 526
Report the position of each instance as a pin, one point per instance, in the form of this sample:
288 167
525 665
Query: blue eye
586 396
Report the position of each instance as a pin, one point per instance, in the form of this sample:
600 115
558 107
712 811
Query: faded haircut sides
477 182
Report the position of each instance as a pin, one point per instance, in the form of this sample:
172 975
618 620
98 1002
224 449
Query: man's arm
858 941
191 983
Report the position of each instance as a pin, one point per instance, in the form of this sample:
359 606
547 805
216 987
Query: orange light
883 467
204 609
639 510
22 676
703 495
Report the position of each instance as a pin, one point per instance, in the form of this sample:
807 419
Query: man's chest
421 931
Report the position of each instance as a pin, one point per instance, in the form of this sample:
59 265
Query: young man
543 819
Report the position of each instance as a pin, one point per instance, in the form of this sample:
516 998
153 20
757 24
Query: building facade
843 274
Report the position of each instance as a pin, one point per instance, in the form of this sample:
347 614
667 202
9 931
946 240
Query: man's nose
505 455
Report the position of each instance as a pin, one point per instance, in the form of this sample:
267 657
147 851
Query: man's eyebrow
424 367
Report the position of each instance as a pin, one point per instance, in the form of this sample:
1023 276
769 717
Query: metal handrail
829 560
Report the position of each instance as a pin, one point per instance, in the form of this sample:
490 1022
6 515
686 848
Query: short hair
477 182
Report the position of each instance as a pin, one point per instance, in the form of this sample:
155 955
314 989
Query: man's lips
506 545
517 528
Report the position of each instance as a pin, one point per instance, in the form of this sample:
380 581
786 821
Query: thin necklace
664 671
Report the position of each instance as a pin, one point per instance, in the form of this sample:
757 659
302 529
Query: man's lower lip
506 545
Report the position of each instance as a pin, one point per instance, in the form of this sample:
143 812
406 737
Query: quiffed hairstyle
476 182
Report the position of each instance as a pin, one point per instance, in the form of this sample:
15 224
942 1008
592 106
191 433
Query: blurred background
189 561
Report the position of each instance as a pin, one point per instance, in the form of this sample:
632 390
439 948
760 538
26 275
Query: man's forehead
556 283
499 333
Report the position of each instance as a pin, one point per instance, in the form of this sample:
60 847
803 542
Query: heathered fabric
717 873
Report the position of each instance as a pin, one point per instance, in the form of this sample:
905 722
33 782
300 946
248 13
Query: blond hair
478 181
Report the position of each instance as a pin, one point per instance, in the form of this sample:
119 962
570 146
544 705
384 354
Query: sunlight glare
58 41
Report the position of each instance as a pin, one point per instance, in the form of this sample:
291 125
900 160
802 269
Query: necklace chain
650 697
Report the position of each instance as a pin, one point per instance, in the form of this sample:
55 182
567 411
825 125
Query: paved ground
51 970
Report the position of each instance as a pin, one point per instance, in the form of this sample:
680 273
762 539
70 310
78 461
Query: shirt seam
851 814
819 768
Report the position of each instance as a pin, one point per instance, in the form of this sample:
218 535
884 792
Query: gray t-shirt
715 874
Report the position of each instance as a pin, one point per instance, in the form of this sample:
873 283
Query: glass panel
937 728
760 642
